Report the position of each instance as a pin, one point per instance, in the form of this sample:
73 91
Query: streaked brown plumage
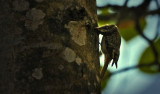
110 45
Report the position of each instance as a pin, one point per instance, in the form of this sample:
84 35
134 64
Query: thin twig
158 24
133 67
121 14
157 30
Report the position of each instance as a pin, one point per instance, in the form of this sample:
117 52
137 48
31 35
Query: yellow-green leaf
148 57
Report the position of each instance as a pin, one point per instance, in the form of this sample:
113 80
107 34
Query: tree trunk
48 47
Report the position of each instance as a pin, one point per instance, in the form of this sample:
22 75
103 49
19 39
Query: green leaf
148 58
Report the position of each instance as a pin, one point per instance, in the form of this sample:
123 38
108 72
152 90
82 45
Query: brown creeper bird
110 45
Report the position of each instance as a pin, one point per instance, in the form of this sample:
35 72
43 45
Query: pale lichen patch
20 5
89 83
37 73
34 18
69 55
77 31
78 60
98 79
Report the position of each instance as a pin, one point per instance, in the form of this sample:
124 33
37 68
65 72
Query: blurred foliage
105 80
127 29
100 23
104 11
148 57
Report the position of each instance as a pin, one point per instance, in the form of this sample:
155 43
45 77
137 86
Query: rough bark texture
48 47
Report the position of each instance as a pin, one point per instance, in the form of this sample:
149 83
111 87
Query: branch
150 42
107 17
158 24
129 12
143 6
121 13
133 67
135 13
